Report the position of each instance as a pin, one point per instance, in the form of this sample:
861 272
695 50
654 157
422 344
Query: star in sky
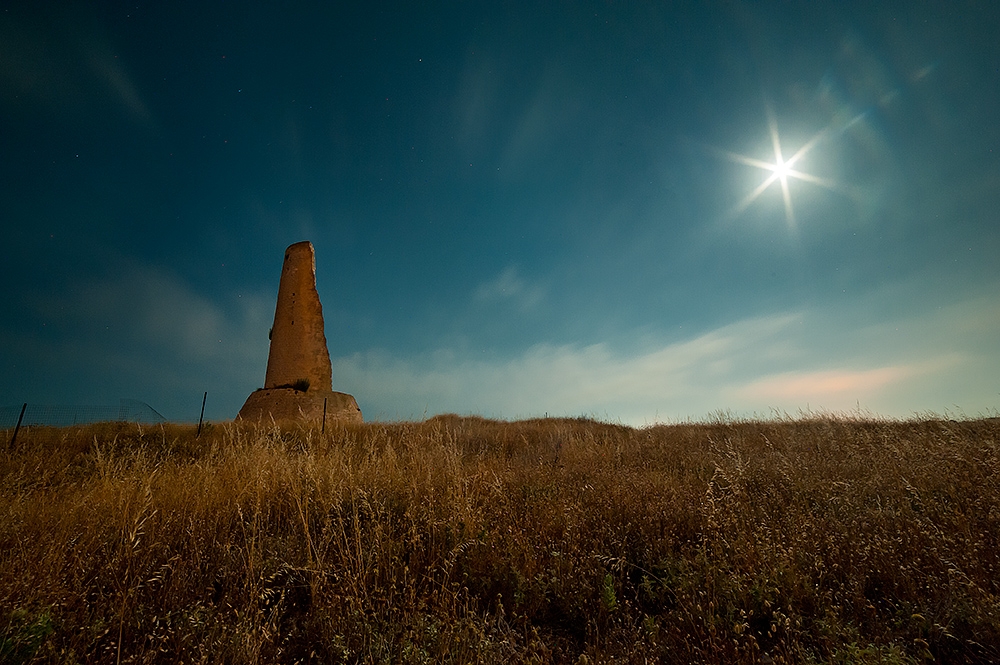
781 170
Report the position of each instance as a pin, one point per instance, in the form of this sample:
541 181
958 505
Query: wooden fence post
201 418
18 426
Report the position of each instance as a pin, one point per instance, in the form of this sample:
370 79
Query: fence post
18 426
201 418
323 430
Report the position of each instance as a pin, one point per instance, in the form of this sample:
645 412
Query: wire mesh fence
127 410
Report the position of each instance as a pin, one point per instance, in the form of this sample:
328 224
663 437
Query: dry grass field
457 540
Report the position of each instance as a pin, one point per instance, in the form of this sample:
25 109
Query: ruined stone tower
298 353
298 380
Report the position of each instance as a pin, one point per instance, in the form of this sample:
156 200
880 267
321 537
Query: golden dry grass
467 540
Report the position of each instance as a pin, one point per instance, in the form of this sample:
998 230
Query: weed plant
455 540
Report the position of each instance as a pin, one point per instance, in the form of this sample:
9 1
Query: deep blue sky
518 208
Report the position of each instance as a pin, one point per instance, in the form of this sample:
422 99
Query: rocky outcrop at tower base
282 405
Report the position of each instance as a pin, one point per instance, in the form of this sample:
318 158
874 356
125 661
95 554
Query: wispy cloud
475 104
152 307
510 286
147 334
75 72
560 379
826 383
757 366
110 71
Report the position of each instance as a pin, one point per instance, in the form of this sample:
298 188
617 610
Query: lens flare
781 170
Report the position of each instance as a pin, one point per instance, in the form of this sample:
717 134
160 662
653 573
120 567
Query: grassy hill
470 540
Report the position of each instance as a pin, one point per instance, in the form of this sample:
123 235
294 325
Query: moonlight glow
780 171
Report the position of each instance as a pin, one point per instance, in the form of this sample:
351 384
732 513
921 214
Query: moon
780 171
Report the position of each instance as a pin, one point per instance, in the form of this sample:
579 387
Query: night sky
518 208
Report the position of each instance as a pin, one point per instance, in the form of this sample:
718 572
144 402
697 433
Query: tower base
287 405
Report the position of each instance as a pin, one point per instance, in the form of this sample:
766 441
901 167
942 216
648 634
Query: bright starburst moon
780 171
